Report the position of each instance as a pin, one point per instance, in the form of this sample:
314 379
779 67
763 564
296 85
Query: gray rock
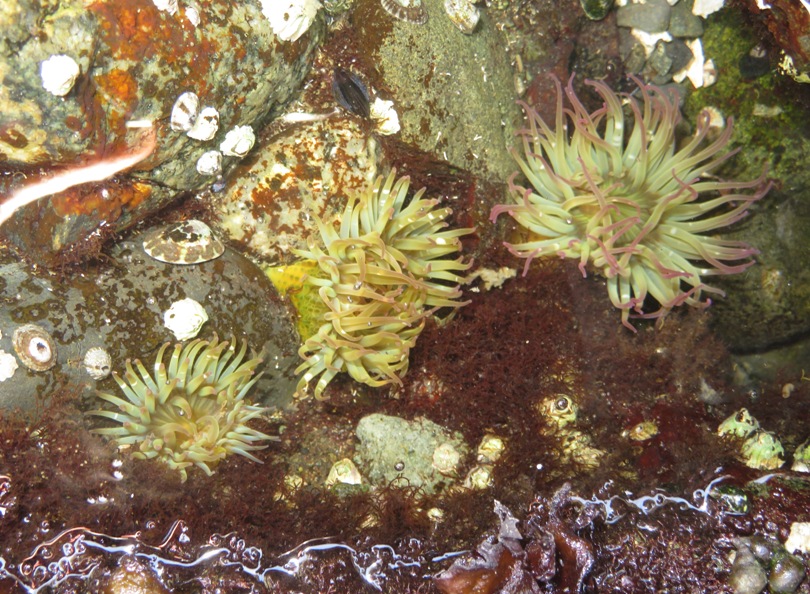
787 573
632 52
666 59
652 16
679 53
747 575
394 449
660 63
682 23
437 77
119 304
770 298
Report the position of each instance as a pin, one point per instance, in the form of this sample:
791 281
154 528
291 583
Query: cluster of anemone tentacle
627 201
379 274
192 412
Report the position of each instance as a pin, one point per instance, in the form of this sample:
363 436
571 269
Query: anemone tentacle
191 413
380 273
627 201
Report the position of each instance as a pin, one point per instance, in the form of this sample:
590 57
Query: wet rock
651 16
771 297
436 76
118 305
633 54
682 22
419 453
767 306
666 59
787 572
747 575
267 206
130 69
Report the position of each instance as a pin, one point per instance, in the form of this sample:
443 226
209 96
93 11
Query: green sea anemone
626 200
191 413
373 280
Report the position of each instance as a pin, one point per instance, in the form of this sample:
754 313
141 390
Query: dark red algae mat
661 514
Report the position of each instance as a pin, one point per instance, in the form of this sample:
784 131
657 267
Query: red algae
647 519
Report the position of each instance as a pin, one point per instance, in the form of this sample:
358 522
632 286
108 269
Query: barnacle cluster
621 196
370 283
192 412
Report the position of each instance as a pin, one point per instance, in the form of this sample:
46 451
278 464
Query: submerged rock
419 453
437 76
266 209
118 305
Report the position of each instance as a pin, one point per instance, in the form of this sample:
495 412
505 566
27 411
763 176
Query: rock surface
266 208
436 74
134 62
119 305
420 453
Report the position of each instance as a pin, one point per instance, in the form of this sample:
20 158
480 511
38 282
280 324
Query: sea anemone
627 200
377 278
191 413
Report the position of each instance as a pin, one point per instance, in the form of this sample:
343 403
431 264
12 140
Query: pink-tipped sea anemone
617 193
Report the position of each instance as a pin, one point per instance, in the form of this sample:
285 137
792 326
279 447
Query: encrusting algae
365 287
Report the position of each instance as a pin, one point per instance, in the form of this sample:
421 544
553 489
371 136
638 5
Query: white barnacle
169 6
206 125
97 363
8 365
210 163
763 451
385 116
490 449
185 318
446 458
290 19
58 74
193 15
238 142
345 472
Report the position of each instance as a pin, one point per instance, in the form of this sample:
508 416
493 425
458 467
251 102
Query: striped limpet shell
410 11
187 242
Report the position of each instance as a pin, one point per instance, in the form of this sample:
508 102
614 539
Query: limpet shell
187 242
410 11
185 111
34 347
463 13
